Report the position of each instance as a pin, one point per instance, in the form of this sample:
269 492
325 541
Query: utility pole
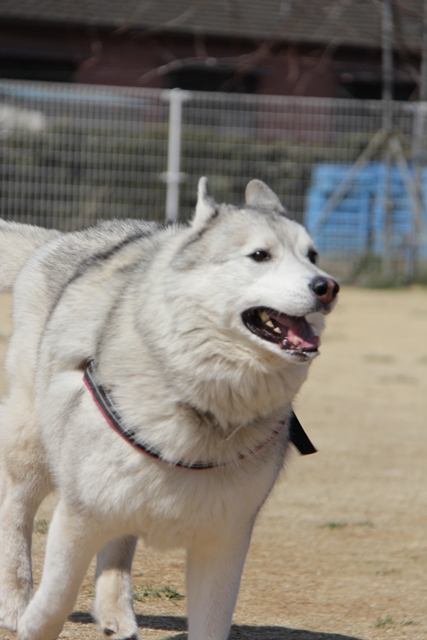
417 152
423 75
387 125
387 63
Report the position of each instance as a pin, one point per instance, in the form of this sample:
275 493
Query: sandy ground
340 550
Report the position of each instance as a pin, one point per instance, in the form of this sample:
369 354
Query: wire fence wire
70 154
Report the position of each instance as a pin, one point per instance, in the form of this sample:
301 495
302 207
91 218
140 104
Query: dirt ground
340 550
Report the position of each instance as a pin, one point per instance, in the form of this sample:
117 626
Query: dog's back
17 243
38 264
72 250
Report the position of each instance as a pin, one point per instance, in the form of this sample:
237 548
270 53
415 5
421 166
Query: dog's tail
17 242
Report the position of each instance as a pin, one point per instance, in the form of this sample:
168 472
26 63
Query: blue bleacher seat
357 222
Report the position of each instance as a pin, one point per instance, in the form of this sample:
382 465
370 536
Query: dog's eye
260 255
312 256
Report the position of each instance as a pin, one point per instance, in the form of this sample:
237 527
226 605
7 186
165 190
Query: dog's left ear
206 208
257 194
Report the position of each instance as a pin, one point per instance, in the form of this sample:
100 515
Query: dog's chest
169 506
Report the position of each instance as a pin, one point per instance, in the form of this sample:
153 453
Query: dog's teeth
264 316
269 324
286 343
276 329
296 342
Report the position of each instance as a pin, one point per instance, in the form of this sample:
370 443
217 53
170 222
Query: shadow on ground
238 631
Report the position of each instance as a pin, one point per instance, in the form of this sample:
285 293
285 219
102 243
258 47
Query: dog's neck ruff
103 400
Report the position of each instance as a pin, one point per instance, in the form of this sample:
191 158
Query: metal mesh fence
70 154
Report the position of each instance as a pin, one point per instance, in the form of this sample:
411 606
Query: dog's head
256 268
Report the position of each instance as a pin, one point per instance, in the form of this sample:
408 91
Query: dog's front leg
213 578
24 482
72 542
17 511
113 608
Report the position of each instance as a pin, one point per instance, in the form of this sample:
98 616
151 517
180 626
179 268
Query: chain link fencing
70 154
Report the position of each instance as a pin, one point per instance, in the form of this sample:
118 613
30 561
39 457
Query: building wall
125 57
129 58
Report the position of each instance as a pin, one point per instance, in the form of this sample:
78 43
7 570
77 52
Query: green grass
41 526
341 524
334 524
385 572
388 622
381 623
378 358
144 592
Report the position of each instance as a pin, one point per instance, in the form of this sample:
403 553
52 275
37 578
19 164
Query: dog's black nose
325 289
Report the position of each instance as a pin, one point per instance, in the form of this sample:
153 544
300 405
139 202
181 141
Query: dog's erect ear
257 194
206 208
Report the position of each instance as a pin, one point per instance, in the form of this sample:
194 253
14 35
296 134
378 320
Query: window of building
217 78
37 69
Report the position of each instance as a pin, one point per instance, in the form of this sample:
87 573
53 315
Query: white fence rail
70 154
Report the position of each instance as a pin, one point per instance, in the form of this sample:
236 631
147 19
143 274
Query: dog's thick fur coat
203 334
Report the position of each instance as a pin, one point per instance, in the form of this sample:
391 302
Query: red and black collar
103 400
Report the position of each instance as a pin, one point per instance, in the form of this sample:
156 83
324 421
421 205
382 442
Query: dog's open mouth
290 332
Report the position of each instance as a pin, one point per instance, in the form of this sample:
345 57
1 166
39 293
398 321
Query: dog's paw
114 631
110 633
11 612
8 622
114 613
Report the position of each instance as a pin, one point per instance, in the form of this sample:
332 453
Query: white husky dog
152 370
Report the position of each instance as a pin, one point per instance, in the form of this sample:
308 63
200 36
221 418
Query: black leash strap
298 436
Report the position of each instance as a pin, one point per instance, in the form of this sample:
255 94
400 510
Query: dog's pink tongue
299 332
301 338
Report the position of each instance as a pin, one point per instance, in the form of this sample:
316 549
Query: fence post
173 177
417 150
418 153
